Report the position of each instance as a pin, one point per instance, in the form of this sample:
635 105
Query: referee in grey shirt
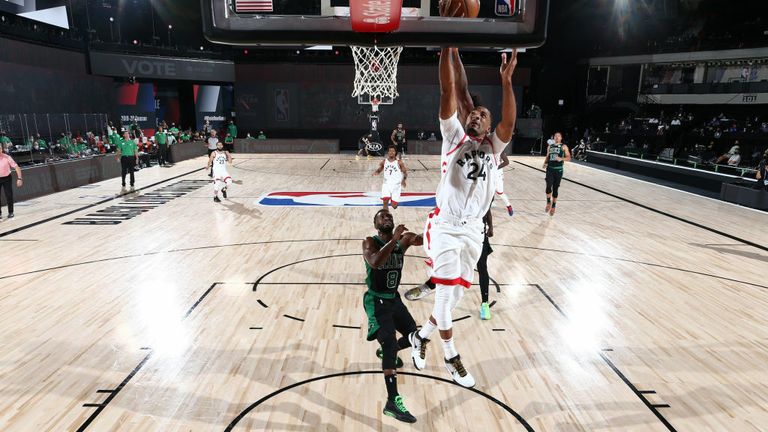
212 141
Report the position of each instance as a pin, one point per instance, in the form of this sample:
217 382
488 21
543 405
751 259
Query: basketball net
375 74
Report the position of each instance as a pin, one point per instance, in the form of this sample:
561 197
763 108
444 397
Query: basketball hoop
375 75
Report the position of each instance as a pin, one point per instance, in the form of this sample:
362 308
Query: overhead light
111 19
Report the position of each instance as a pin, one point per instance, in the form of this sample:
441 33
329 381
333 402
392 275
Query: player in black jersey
383 254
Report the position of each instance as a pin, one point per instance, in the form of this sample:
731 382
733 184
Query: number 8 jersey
467 184
384 281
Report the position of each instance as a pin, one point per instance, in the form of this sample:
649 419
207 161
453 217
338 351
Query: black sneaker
397 409
398 362
10 216
216 199
224 192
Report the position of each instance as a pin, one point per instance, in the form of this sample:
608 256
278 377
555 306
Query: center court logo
343 199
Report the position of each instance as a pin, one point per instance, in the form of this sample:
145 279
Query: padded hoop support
375 16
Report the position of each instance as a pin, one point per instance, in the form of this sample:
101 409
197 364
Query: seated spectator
735 158
762 173
261 136
728 155
249 137
432 137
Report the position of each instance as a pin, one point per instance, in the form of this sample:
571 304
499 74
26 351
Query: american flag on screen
253 6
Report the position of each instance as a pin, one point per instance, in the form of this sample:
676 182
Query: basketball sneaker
357 157
485 311
547 208
398 362
396 408
418 350
224 192
216 199
458 373
419 292
552 211
510 210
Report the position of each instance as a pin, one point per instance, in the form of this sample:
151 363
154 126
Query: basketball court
637 311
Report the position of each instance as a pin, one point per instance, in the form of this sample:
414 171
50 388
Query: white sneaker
458 373
418 350
418 292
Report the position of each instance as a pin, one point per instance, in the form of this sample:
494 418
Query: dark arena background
147 285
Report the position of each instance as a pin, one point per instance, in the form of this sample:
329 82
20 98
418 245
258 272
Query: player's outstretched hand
399 230
507 68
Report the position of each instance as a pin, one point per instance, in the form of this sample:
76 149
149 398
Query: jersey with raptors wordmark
392 172
467 184
220 162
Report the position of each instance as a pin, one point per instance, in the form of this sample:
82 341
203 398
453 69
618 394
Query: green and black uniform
384 307
400 140
128 150
554 168
161 138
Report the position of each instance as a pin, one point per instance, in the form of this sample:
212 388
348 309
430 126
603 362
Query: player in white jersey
499 181
454 234
217 163
395 174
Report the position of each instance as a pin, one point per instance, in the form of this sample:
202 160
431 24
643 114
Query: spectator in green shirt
5 141
261 136
128 155
232 129
229 143
174 130
249 137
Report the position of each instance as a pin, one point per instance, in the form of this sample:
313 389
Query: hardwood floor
635 308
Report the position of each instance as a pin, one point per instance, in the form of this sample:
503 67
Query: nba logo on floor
343 199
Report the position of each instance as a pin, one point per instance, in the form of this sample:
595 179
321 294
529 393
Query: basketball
459 8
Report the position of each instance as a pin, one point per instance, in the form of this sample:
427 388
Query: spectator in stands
6 165
229 143
231 130
762 173
432 137
5 142
735 158
41 143
261 136
249 137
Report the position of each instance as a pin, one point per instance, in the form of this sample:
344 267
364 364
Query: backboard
500 24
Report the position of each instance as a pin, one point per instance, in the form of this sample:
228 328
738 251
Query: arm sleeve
498 145
452 131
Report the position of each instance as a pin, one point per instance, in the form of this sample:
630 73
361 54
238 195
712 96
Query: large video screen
53 12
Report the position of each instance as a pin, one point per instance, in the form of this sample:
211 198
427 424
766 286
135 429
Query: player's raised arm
411 239
378 257
508 107
464 104
447 85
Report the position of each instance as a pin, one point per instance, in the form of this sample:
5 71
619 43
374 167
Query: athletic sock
427 329
449 349
505 200
554 204
391 383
